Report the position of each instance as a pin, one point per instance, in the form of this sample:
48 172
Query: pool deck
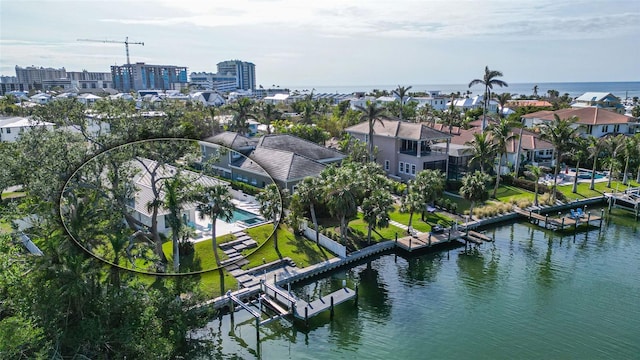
222 227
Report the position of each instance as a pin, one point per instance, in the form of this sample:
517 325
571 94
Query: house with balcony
601 100
405 148
591 121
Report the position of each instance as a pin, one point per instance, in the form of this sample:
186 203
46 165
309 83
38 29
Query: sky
335 42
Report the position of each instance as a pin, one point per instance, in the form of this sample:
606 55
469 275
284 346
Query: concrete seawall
540 209
296 275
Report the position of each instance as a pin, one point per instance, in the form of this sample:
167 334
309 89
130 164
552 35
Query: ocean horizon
621 89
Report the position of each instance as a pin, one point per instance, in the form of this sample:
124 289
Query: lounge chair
574 215
431 209
579 212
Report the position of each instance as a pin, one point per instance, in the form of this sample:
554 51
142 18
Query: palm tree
503 99
501 135
489 80
629 148
593 147
536 173
411 203
308 193
342 191
430 184
474 188
579 152
242 113
268 113
613 144
174 200
401 92
376 209
216 201
483 150
535 91
271 201
561 133
371 113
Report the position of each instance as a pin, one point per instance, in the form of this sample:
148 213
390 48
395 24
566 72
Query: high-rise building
141 76
34 76
244 72
211 81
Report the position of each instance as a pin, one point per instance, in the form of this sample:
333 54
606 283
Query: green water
532 294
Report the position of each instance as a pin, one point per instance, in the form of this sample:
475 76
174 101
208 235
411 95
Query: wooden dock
559 223
427 240
304 310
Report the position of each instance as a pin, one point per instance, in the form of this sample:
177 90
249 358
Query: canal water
531 294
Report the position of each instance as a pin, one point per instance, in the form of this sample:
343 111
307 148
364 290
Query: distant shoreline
621 89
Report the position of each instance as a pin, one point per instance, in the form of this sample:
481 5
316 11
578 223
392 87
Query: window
616 128
605 128
386 165
413 169
8 130
401 167
589 129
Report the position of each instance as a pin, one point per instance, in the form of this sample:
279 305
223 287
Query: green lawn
213 285
600 188
301 250
463 204
417 223
507 192
359 226
202 257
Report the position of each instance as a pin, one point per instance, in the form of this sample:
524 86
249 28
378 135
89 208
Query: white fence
325 242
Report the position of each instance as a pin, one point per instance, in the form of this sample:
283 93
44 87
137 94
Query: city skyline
334 42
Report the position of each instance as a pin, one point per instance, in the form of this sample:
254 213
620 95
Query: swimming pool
244 216
587 175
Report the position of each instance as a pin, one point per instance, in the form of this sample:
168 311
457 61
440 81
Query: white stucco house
12 127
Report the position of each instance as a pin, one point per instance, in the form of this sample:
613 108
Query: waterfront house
286 159
138 203
12 127
591 120
405 148
600 100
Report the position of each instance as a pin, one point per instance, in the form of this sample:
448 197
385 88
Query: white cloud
407 18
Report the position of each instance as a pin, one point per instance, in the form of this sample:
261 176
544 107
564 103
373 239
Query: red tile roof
586 116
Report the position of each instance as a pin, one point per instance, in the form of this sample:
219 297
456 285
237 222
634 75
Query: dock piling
306 316
546 220
356 299
331 310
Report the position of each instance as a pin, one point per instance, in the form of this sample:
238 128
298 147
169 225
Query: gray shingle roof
279 164
232 140
400 129
300 146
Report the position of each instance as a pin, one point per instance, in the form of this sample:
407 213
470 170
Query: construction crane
126 43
